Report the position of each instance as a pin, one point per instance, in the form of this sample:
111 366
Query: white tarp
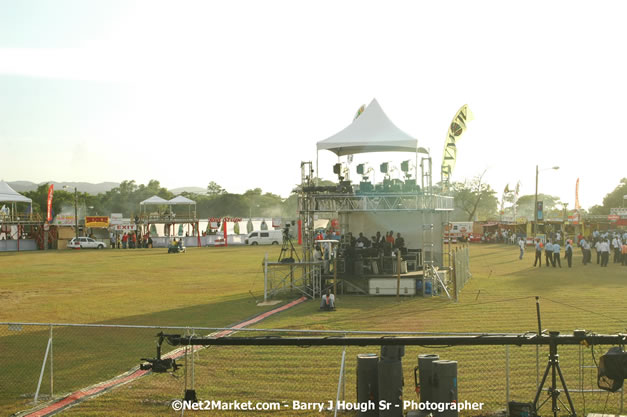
8 194
372 131
154 200
181 200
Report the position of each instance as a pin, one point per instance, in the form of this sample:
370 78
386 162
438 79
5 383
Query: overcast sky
240 92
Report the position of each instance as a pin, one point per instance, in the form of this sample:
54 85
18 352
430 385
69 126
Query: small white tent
9 195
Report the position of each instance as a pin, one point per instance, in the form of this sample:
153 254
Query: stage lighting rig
612 369
407 168
341 171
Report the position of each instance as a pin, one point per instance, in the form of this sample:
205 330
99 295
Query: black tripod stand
288 245
554 367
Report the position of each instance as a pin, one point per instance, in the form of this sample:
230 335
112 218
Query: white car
85 243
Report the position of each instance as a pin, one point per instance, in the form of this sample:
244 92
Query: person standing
556 254
124 240
582 241
548 253
597 247
521 245
587 256
616 248
538 258
624 252
605 252
569 252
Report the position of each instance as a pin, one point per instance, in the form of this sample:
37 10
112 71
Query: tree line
474 200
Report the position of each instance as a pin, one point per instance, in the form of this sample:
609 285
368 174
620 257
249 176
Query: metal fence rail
82 355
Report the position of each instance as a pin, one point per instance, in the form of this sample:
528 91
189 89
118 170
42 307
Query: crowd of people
604 245
130 240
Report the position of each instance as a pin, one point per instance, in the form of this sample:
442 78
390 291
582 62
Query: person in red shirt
124 240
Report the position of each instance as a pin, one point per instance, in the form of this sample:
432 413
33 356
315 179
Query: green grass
499 298
203 287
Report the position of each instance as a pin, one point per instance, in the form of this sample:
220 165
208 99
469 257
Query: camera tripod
288 245
554 366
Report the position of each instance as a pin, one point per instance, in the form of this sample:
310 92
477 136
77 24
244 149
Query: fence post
507 380
339 383
51 365
43 367
265 278
454 273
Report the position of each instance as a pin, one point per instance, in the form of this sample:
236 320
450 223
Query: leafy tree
214 189
550 203
613 199
474 199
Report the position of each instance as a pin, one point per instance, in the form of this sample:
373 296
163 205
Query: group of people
552 253
386 243
603 244
131 240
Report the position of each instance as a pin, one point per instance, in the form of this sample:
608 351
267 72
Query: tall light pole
75 209
535 205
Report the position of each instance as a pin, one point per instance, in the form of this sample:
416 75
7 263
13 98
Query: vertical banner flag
577 206
49 211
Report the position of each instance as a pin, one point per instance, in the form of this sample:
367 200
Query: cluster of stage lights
362 169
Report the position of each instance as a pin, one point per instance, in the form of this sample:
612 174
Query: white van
264 237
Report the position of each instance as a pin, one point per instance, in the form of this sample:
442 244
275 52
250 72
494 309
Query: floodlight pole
535 209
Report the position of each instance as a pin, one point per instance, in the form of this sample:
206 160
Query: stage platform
411 283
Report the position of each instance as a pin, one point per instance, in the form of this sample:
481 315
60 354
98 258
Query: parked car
85 243
264 237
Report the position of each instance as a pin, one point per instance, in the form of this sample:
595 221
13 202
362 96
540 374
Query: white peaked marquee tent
9 195
372 131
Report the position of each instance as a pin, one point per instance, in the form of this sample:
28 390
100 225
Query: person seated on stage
327 302
317 254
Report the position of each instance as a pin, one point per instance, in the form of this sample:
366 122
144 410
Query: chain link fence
79 356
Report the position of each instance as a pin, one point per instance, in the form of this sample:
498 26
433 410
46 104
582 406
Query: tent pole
317 172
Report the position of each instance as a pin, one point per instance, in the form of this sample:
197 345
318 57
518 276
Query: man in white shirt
616 244
586 252
605 252
556 255
548 253
521 244
597 247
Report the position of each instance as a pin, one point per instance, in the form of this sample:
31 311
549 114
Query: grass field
210 287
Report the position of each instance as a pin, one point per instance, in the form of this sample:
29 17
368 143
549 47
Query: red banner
49 211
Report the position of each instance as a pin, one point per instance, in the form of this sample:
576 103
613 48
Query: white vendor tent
372 131
181 200
9 195
154 200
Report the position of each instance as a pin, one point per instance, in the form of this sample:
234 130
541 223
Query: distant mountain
83 187
196 190
87 187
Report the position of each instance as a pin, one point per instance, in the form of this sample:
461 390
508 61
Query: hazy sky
240 92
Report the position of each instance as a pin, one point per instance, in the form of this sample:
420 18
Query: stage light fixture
360 169
612 369
384 167
337 168
405 166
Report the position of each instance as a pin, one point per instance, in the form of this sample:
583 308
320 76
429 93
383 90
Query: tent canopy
181 200
8 194
154 200
372 131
